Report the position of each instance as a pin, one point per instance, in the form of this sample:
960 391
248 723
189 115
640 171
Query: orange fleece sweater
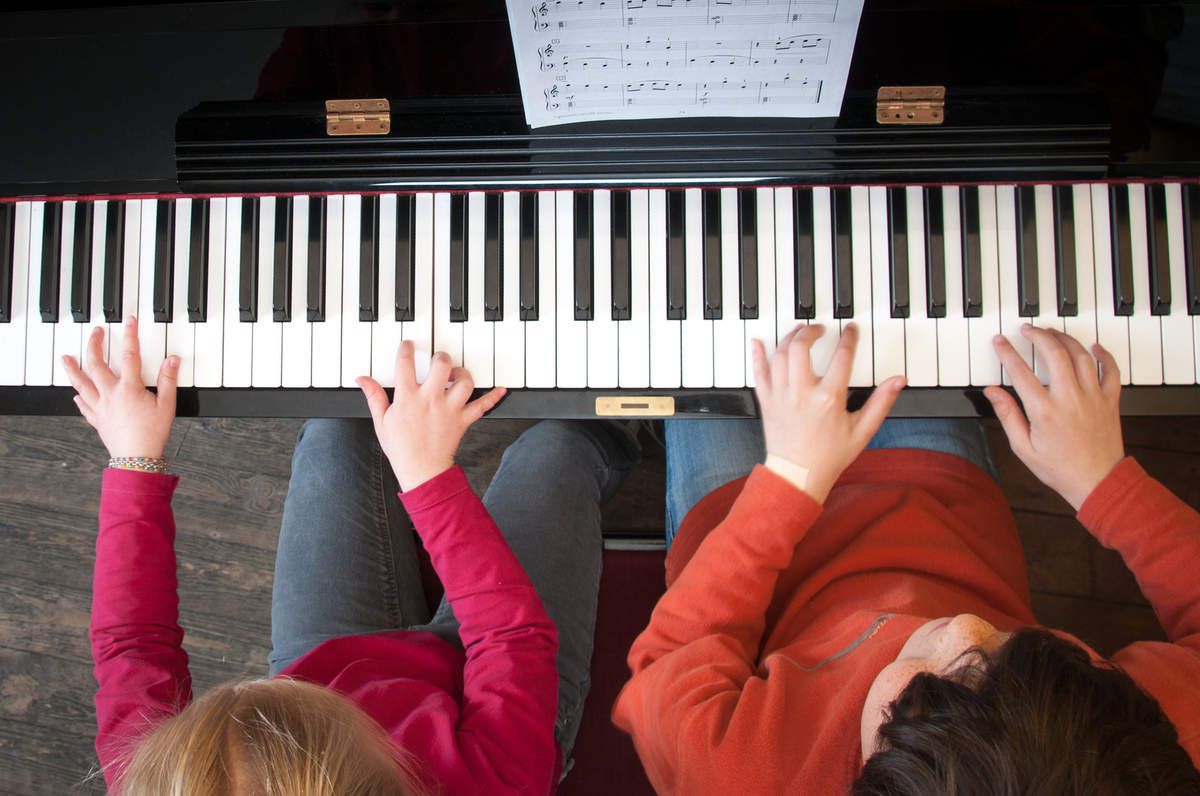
778 615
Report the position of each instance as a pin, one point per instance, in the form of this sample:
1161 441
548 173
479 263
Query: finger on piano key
571 334
327 332
13 333
493 261
67 333
1179 345
634 334
96 290
1027 252
420 329
210 332
197 281
619 244
1066 270
281 273
1081 323
164 260
1112 327
540 346
786 309
843 253
274 217
81 269
920 328
1122 249
823 290
584 270
664 332
7 220
151 334
478 332
862 374
1160 266
114 258
729 330
710 202
953 336
318 212
296 368
676 268
980 248
935 252
510 329
888 339
386 333
747 254
804 244
697 332
51 260
237 339
456 267
602 335
406 255
1008 244
133 275
181 332
356 332
1145 329
763 326
1047 316
894 217
39 334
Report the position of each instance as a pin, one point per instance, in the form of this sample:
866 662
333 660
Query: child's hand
131 420
804 417
420 431
1072 437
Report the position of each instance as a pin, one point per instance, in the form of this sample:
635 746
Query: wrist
412 475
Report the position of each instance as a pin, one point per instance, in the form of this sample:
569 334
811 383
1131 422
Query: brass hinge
910 105
358 117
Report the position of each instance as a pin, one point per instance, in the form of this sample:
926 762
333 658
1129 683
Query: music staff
790 51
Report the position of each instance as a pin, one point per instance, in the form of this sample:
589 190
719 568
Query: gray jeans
347 562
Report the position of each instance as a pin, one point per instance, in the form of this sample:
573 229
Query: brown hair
1035 717
277 736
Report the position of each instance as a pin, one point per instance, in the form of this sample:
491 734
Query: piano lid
100 90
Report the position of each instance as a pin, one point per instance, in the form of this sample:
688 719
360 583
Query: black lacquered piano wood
1027 253
114 262
935 254
710 202
197 287
493 259
248 261
583 255
1122 250
676 258
1191 237
164 260
972 254
51 262
804 251
622 276
1160 255
1066 279
528 260
748 251
81 263
458 257
316 259
897 216
281 263
405 256
843 260
368 260
8 221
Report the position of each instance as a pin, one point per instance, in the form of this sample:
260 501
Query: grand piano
174 162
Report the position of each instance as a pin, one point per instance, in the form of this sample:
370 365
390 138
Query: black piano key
81 268
528 256
748 243
1122 250
1027 254
493 259
972 256
843 279
1191 245
622 276
197 298
805 252
8 222
164 260
676 270
935 254
710 201
316 259
51 262
368 263
248 262
281 262
1064 251
458 257
583 256
114 262
897 214
1160 262
405 256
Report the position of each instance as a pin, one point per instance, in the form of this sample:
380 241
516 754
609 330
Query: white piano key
447 334
478 334
356 334
327 334
1178 345
181 333
664 333
888 337
920 331
785 267
1082 326
540 348
985 365
954 349
39 336
602 335
266 369
634 334
386 333
1112 330
863 372
297 333
237 336
420 329
66 331
729 332
13 334
1006 247
697 331
210 334
822 350
1145 330
763 327
96 307
131 286
1047 317
152 336
510 331
571 345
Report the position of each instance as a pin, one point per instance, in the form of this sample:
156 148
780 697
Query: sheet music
582 60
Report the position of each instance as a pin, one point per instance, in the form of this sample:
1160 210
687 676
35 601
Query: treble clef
539 10
546 54
551 98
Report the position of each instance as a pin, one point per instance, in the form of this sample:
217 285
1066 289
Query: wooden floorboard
228 507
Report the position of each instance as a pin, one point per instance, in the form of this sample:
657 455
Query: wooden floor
228 508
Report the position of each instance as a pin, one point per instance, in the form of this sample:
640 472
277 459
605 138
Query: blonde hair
270 738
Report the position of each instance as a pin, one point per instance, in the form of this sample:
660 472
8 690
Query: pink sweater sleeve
140 667
510 683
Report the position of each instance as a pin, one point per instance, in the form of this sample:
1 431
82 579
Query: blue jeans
704 454
347 560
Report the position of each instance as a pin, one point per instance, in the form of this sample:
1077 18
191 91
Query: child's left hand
131 420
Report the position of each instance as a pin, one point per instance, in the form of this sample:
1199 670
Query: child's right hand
421 429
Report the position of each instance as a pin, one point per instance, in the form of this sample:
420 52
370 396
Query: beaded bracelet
144 464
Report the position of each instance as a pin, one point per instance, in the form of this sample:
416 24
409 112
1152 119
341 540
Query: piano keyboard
605 289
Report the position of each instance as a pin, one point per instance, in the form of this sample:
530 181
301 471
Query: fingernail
129 320
998 339
173 361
